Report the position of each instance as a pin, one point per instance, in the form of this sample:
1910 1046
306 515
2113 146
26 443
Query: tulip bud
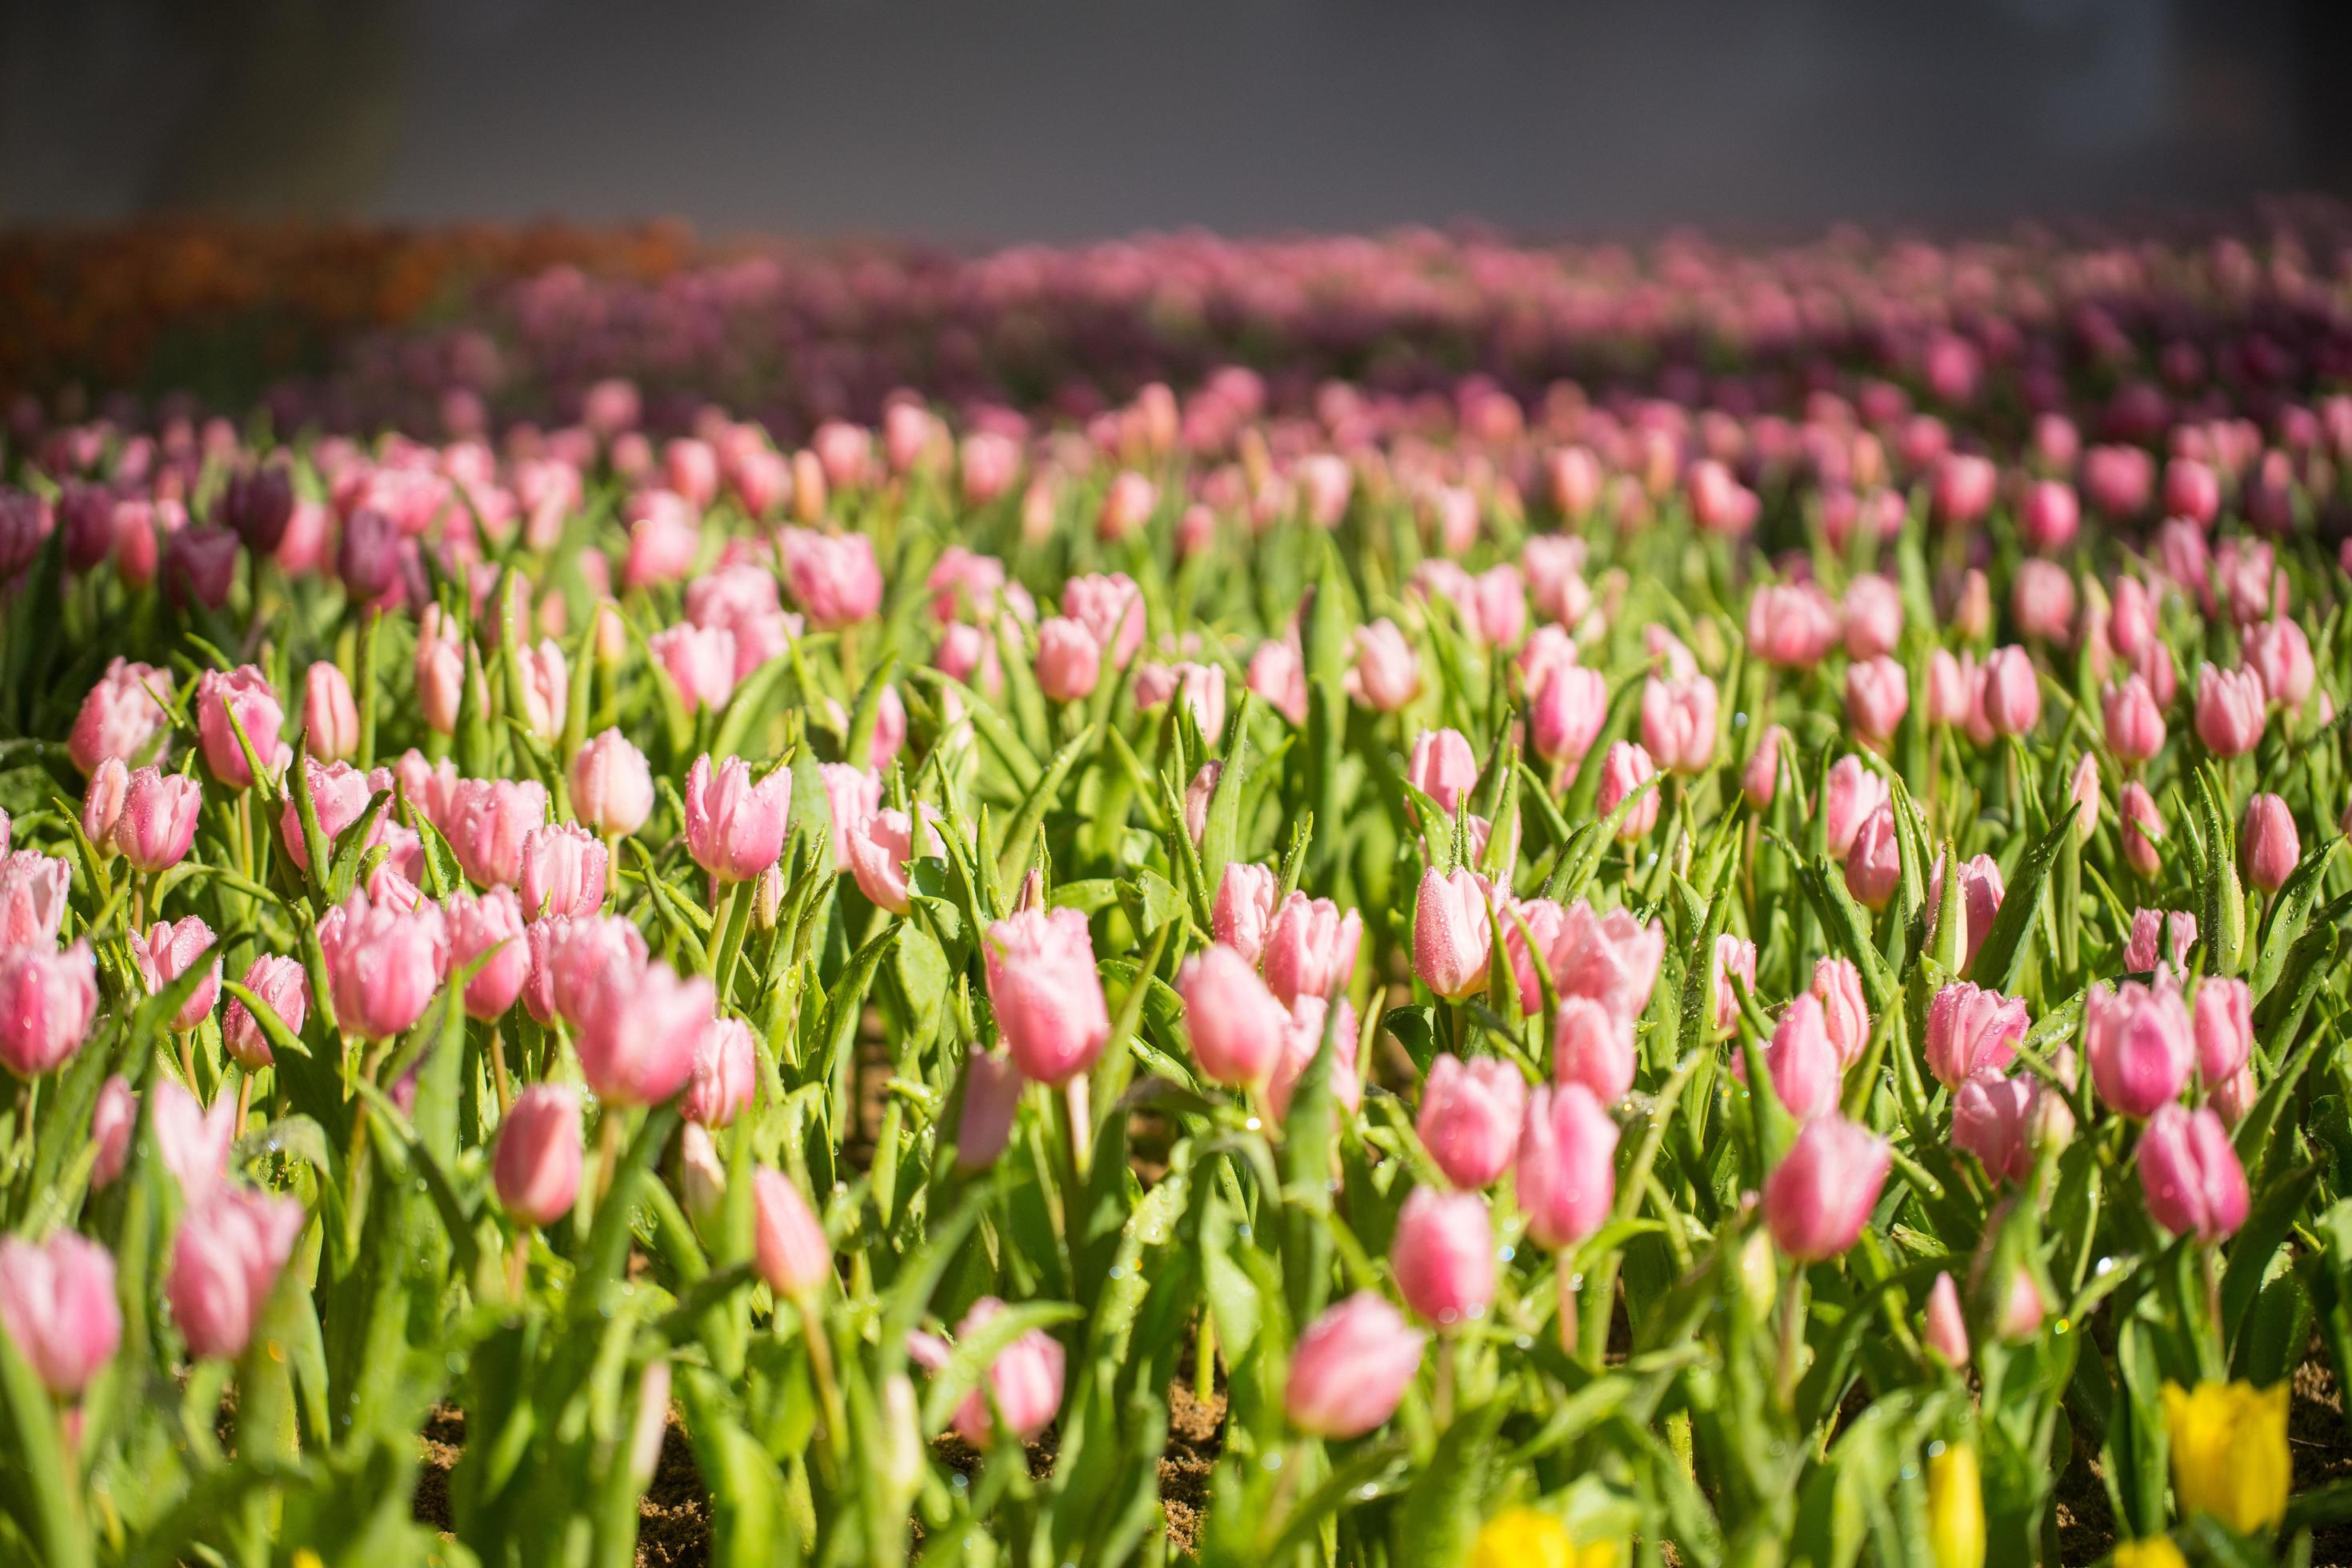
1761 779
1025 1382
2139 1043
248 693
58 1307
1624 769
224 1263
2135 723
2083 794
1818 1198
1878 695
641 1030
1971 1029
992 1100
2230 710
1310 948
1452 937
101 807
1235 1024
490 821
1469 1118
1567 1175
1593 1047
2012 693
385 965
735 827
1845 1014
1444 1256
1069 660
1045 992
285 986
2189 1174
1442 767
1678 723
2267 843
1244 910
2141 830
331 716
1852 794
1564 718
611 786
158 823
1803 1063
1946 1335
537 1163
169 950
48 1001
1991 1120
2224 1027
564 871
793 1256
1350 1368
1387 673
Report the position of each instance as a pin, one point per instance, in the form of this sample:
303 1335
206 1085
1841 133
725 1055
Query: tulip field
1386 903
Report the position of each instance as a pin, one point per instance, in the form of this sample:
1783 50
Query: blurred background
971 124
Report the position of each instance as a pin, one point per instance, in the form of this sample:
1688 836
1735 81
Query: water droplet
1252 1124
1273 1462
1506 1253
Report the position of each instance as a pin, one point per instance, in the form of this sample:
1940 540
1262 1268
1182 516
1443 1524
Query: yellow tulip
2155 1552
1529 1538
2228 1453
1956 1521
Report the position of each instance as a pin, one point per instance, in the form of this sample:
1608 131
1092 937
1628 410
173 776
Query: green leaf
2002 956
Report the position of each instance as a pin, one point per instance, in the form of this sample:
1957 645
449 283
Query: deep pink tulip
2012 691
2140 1044
158 823
2224 1026
2190 1176
57 1307
564 871
1566 1179
1350 1368
2191 491
2135 723
1453 935
2050 517
1046 995
1992 1118
639 1035
123 716
48 1001
2230 710
735 827
284 986
1025 1382
385 965
1444 1256
1945 1333
611 786
2268 845
537 1167
1962 488
2043 600
1626 768
1874 865
793 1256
1235 1024
1469 1118
224 1263
1971 1029
1854 794
169 950
331 716
1804 1065
1310 948
726 1073
1819 1195
246 692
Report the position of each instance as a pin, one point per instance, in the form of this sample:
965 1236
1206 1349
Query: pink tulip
2135 723
1242 916
1611 959
567 962
880 848
34 889
1567 1175
789 1241
1872 610
1235 1024
158 823
1350 1368
1759 781
123 716
1819 1195
700 662
1971 1029
2139 1043
1947 1333
726 1073
1791 625
1310 948
248 693
385 965
1046 995
992 1101
611 786
1127 506
169 950
1278 675
1803 1064
1069 660
1854 793
224 1263
2268 845
2179 929
1952 684
1387 672
2013 692
492 924
2141 830
1568 712
1444 1256
1678 723
111 1125
48 1001
2278 651
2191 491
1981 894
57 1307
546 689
1443 766
1469 1118
101 807
1874 866
735 827
1025 1382
284 986
1626 768
1992 1118
192 1139
2190 1176
2234 1095
1962 488
2230 710
1110 607
491 819
1878 695
1453 936
2050 517
834 577
330 716
562 871
1202 686
1594 1047
638 1036
537 1163
2224 1027
1845 1014
1310 1020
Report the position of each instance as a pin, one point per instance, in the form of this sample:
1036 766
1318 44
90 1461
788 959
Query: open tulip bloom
1621 910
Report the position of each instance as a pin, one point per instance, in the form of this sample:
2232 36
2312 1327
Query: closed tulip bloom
1992 1118
1592 1046
879 849
1469 1118
1947 1330
1874 866
537 1163
1025 1382
992 1100
1626 768
2268 845
834 577
2230 710
1566 1179
123 716
1127 506
2141 829
2224 1027
546 689
699 661
48 1001
246 692
492 821
1803 1064
1982 895
1236 1026
169 950
1387 672
1310 948
735 827
2140 1044
851 796
1045 992
2082 795
492 924
101 807
2051 516
1971 1029
2013 692
568 960
1734 955
158 822
1845 1014
1452 937
1873 616
1069 660
1110 606
1443 766
1791 625
224 1262
562 871
2191 491
612 786
1678 723
110 1124
2229 1454
1614 959
385 966
726 1073
1244 912
1568 712
284 987
2278 651
57 1307
193 1139
33 893
2043 600
1759 781
1819 1195
2190 1176
638 1038
2135 723
1311 1019
1963 486
1197 796
1853 796
1350 1368
2176 930
1878 695
330 716
789 1241
1951 681
1444 1256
